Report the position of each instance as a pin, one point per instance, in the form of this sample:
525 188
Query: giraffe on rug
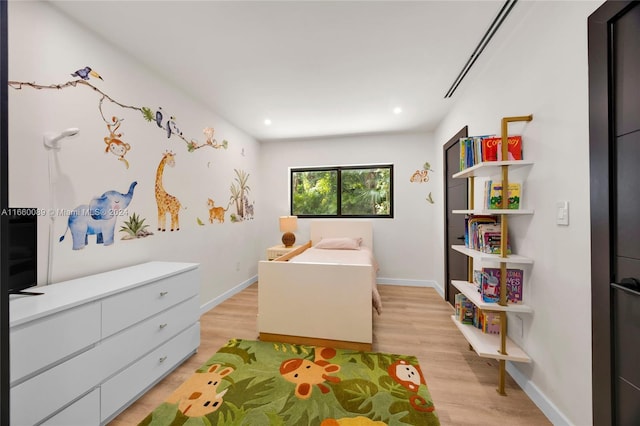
166 202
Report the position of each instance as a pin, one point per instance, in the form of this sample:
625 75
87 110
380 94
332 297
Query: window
349 191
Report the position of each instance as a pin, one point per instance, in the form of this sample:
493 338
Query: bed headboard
342 228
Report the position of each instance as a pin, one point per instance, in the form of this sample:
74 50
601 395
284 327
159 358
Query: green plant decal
135 228
147 114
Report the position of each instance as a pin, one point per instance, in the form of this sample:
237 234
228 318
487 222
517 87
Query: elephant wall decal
98 218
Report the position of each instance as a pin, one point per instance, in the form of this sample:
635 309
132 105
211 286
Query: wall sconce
52 140
288 224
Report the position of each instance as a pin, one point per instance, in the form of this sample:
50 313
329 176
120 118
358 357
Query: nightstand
279 250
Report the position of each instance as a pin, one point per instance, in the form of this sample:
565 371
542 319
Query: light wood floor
415 321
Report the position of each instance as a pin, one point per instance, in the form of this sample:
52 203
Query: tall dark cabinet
614 143
4 198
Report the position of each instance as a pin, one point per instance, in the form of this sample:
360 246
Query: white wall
538 65
405 245
45 47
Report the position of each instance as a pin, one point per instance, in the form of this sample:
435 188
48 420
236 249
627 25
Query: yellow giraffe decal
166 202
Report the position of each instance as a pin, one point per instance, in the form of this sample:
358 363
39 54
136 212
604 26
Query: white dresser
87 348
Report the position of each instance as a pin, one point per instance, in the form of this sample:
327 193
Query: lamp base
288 239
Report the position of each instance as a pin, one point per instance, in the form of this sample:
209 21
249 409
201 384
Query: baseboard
227 294
411 283
545 405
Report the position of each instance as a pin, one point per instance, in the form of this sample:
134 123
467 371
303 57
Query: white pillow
339 243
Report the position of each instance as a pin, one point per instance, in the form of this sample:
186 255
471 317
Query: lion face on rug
305 373
199 395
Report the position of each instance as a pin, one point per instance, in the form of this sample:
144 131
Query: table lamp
288 224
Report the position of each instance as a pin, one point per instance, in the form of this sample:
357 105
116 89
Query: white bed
321 296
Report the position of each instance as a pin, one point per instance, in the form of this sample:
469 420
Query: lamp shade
288 223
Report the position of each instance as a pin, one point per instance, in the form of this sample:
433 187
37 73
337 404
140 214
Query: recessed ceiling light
397 110
267 122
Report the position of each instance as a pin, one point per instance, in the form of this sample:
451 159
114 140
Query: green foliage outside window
365 191
315 192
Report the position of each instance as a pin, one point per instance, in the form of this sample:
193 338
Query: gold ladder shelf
504 343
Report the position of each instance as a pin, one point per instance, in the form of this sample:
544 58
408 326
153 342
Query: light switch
562 213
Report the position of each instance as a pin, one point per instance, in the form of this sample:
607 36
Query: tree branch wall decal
167 124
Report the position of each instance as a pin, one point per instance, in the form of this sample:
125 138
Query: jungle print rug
263 383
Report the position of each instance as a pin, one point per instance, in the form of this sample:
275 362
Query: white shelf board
491 168
512 258
487 345
494 211
471 292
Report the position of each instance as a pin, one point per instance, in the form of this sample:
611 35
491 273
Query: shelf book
492 148
471 224
483 233
472 151
472 292
490 285
478 149
489 322
493 195
468 313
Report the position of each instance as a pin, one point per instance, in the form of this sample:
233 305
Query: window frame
339 170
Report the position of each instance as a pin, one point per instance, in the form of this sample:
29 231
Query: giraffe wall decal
166 202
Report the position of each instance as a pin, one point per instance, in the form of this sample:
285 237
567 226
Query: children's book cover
515 278
495 195
492 148
491 285
490 322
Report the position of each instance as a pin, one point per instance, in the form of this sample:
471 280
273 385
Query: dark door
456 198
614 113
4 220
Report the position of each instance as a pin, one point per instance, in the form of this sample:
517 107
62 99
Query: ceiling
314 68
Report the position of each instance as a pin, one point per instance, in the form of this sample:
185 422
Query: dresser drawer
120 390
83 412
130 307
42 395
40 343
146 336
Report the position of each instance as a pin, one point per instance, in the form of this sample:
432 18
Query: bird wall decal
430 198
159 117
85 72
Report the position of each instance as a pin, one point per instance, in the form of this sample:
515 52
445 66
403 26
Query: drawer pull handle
163 359
163 293
163 325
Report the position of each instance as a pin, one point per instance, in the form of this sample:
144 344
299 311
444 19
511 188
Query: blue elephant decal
98 218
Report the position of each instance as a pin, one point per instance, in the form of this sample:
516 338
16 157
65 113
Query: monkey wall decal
114 144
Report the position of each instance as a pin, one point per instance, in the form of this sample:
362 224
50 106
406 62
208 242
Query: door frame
601 136
462 133
4 198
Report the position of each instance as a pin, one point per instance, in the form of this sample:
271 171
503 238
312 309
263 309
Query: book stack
471 224
468 313
477 149
483 233
493 195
